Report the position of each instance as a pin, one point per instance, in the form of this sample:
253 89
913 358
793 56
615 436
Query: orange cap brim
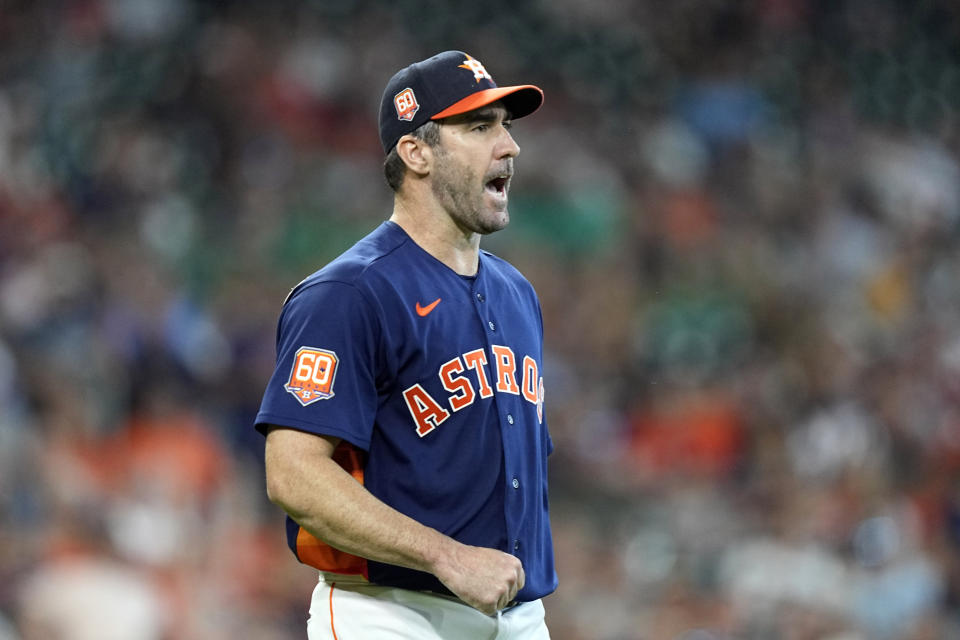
520 100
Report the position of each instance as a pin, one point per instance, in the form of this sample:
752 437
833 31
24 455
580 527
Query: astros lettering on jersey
433 382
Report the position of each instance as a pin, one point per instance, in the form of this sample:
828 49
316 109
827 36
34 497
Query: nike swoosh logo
423 311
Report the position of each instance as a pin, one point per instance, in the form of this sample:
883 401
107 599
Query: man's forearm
324 499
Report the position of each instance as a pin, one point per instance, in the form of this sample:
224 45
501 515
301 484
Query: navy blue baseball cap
448 84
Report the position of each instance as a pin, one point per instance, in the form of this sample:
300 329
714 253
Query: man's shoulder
366 253
355 265
504 270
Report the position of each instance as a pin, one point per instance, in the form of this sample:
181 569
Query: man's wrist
438 549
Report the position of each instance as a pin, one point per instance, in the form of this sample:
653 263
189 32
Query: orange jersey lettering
477 360
530 378
459 386
427 414
506 364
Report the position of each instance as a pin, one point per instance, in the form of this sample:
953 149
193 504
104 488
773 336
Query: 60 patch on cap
312 375
406 104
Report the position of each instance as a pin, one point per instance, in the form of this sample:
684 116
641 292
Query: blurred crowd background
742 218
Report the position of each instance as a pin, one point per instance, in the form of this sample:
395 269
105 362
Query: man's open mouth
499 184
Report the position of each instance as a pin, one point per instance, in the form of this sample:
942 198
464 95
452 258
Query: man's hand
486 579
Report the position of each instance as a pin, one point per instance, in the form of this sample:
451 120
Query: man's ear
416 154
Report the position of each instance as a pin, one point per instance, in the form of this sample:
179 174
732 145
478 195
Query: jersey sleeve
325 378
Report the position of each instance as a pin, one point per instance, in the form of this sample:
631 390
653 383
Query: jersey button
480 297
492 326
510 418
516 483
516 545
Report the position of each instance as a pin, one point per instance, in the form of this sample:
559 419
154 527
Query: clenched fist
486 579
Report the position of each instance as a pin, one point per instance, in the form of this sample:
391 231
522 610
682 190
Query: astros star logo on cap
472 64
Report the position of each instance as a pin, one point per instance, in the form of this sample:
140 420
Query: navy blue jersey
433 381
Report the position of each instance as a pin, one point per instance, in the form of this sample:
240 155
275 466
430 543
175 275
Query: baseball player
405 432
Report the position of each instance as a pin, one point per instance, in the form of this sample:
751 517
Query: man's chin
495 222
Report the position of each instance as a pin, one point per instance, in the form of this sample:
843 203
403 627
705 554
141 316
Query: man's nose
507 147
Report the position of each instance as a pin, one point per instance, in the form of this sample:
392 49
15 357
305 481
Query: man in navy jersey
405 431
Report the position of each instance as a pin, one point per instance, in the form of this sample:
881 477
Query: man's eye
481 127
507 124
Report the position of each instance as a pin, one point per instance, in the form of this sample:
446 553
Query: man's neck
435 233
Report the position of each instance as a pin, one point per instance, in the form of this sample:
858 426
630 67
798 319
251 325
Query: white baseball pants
347 609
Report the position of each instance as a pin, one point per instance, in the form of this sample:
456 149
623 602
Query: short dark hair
394 167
